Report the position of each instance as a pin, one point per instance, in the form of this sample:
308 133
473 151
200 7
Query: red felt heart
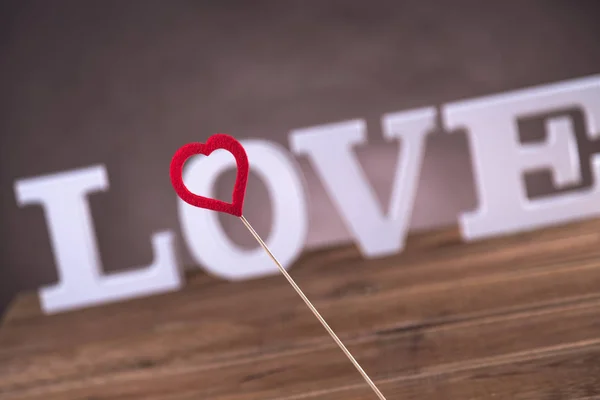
217 141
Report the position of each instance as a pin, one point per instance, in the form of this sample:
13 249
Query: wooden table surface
509 318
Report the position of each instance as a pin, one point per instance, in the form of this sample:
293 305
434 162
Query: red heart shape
217 141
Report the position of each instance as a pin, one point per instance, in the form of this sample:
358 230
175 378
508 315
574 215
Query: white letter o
206 240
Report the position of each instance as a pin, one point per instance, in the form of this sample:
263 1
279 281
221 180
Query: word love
500 160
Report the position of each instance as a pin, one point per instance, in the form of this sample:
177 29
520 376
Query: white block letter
208 243
500 160
81 282
329 148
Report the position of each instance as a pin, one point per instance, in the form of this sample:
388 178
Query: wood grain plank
443 253
214 338
438 282
385 355
563 374
348 277
222 338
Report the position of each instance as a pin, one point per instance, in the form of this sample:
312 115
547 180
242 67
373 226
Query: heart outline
214 142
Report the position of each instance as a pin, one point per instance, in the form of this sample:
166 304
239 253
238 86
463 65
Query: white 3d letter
81 282
330 150
500 160
208 243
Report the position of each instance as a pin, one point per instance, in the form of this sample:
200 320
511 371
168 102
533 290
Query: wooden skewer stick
313 309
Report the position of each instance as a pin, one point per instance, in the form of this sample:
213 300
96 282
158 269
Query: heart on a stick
226 142
215 142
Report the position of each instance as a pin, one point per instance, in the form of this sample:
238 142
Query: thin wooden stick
313 309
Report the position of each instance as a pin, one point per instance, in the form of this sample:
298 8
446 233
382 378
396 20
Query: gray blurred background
125 83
